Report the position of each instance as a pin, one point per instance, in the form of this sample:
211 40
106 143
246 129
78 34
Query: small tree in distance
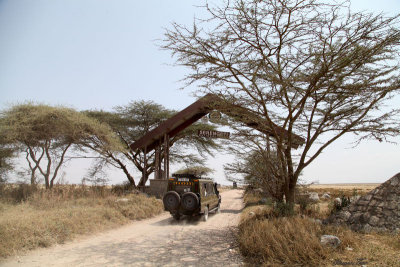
311 67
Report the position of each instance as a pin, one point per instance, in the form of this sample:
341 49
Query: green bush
282 209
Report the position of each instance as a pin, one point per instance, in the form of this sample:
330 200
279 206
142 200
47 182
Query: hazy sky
97 54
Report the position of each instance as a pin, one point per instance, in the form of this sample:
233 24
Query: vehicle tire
205 215
190 201
171 200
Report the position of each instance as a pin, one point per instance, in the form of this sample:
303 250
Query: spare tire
171 200
190 201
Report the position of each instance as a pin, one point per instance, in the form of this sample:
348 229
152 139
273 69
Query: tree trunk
46 180
143 180
279 193
290 192
279 197
289 195
33 178
129 176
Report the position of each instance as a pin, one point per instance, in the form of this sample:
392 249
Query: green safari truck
188 194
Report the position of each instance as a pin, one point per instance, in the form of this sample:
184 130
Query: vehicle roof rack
185 175
190 176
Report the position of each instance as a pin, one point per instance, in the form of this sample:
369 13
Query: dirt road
160 241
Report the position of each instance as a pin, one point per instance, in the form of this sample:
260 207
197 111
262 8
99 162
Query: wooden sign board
214 134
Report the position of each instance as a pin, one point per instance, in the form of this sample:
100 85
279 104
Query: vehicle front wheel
205 216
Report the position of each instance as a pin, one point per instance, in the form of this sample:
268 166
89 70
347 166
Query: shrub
304 202
121 189
17 193
282 209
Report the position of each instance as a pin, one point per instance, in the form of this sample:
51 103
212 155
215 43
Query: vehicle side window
210 189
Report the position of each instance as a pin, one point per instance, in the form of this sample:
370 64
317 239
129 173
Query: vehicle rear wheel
176 216
205 216
190 201
171 200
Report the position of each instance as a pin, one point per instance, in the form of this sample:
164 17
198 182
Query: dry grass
286 241
265 239
251 199
46 218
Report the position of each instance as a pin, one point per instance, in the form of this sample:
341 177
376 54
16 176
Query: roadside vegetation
269 238
33 217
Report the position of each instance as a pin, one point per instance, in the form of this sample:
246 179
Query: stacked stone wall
378 210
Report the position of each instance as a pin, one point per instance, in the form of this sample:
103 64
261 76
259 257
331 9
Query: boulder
325 196
337 202
313 196
330 240
122 200
259 190
344 215
316 221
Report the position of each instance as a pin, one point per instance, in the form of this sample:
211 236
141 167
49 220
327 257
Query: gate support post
166 156
157 163
144 172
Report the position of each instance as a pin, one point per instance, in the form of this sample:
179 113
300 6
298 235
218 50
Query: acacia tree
45 134
311 67
134 120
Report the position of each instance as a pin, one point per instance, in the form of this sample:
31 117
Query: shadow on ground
211 248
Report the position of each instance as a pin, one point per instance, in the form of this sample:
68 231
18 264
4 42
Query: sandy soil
160 241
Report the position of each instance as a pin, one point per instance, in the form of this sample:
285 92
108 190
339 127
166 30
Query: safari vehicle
188 194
